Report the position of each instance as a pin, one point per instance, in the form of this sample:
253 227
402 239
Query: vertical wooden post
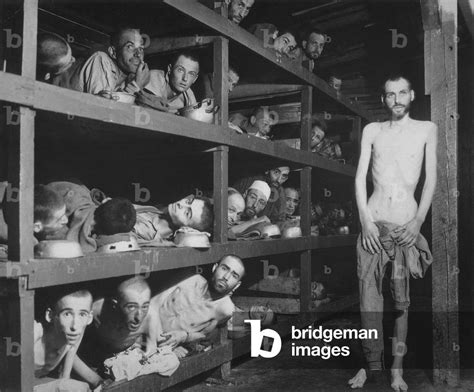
220 79
305 207
221 166
440 24
20 301
17 341
221 155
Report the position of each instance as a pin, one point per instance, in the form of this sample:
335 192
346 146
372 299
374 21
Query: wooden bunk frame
21 275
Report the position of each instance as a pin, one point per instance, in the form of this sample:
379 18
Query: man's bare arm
85 372
370 233
412 228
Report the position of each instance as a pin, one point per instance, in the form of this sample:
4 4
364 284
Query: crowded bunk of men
83 342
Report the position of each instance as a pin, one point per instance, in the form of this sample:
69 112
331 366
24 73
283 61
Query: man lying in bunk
237 10
121 68
56 64
292 201
235 207
155 227
205 85
259 123
312 43
49 214
253 218
94 221
174 84
122 326
282 42
275 178
57 339
193 308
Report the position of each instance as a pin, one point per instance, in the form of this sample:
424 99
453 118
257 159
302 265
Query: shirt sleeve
97 74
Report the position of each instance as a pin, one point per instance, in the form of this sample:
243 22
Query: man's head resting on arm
54 56
192 211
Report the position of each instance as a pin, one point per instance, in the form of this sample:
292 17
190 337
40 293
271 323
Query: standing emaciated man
391 220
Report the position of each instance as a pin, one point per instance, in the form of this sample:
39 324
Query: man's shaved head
137 283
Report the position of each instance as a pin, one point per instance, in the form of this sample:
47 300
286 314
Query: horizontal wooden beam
168 44
51 272
246 92
214 21
49 98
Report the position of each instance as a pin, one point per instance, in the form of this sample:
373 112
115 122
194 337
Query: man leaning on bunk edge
391 221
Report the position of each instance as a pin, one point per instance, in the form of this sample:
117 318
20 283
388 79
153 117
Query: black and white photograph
236 195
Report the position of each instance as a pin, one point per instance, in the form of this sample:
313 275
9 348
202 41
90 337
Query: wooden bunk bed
21 275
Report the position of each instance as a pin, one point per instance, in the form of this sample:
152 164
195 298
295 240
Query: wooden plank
43 96
21 180
30 29
291 306
467 9
211 19
278 284
50 272
171 44
188 368
305 185
18 305
278 305
430 14
443 87
221 182
220 79
255 91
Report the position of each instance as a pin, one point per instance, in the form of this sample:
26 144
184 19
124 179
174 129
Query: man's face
239 9
235 207
314 46
233 80
133 305
71 317
130 52
398 97
285 43
255 203
186 212
278 176
183 74
263 121
292 201
227 275
317 134
54 229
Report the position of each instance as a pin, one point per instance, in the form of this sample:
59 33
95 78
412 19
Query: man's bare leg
399 350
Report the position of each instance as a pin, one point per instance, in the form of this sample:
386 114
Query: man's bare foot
359 380
398 383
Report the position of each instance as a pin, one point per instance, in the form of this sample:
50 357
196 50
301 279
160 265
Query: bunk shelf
50 272
228 29
49 98
230 349
257 91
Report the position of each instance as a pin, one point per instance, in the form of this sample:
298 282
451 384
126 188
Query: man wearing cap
256 199
276 202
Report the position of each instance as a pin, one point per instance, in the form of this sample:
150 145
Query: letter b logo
256 339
